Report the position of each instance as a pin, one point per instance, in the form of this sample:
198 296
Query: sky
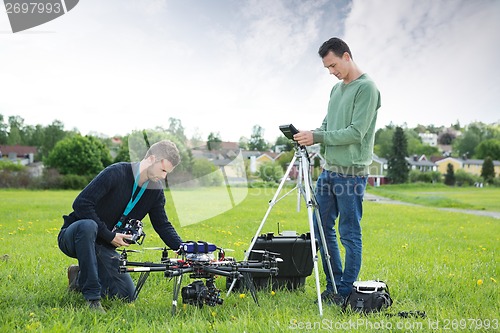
225 66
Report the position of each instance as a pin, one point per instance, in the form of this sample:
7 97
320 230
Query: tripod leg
309 203
271 205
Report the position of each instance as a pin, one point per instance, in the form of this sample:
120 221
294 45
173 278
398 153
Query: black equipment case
297 261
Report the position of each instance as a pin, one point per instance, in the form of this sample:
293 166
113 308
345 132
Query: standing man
347 133
120 192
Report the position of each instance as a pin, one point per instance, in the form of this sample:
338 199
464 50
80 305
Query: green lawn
443 263
486 198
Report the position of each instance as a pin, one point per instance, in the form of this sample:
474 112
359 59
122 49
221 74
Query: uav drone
198 260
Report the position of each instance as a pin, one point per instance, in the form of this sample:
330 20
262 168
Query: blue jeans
340 196
99 275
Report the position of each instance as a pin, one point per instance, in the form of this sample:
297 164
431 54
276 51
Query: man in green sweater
347 133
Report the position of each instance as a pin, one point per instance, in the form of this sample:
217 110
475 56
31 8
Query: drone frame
199 269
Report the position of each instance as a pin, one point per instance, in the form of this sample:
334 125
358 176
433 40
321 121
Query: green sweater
348 130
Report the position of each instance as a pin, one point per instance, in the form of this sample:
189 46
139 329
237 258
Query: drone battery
198 247
297 261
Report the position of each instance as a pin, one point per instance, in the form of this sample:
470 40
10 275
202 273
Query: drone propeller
222 262
127 250
265 251
154 248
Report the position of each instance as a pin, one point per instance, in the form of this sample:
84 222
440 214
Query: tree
196 139
3 131
446 138
213 141
466 144
243 143
383 141
123 154
16 125
489 148
205 172
257 141
449 178
488 170
52 134
284 141
77 155
176 129
397 166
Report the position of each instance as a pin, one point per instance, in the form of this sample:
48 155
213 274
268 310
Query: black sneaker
95 305
73 277
335 299
330 298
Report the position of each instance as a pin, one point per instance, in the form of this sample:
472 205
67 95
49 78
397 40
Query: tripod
304 190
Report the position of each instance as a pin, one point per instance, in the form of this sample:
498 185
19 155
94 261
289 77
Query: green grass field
440 262
439 195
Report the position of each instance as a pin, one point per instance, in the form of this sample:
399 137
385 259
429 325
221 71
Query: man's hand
119 240
304 138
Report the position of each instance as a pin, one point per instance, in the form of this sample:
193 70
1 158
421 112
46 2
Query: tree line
72 159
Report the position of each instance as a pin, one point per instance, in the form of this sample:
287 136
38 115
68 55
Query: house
421 164
471 166
429 139
378 171
17 153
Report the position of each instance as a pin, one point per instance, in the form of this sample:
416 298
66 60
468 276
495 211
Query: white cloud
116 66
434 61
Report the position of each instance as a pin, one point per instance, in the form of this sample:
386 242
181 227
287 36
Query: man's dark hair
336 45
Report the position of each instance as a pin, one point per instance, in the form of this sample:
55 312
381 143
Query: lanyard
133 200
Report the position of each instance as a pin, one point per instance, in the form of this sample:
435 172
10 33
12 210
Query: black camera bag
368 296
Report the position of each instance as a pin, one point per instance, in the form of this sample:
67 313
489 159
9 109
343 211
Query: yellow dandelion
479 282
243 295
493 280
273 293
214 313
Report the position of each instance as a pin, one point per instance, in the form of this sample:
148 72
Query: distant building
421 164
471 166
19 154
430 139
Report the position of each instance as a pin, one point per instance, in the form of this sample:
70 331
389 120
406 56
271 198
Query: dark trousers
99 275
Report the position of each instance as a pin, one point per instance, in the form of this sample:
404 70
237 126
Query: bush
74 182
50 179
13 175
205 172
425 177
496 182
463 178
271 171
14 179
7 165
